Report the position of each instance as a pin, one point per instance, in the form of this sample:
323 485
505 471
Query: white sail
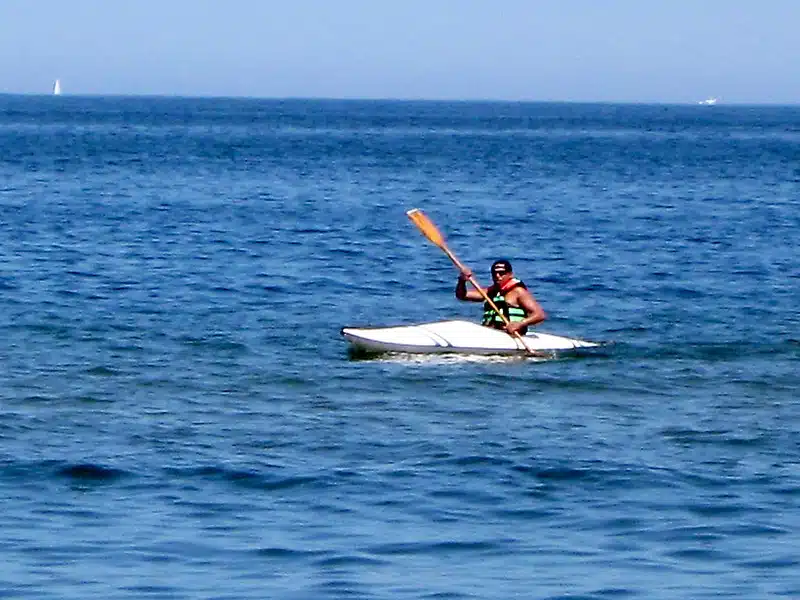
57 88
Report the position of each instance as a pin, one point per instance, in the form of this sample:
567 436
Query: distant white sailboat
57 88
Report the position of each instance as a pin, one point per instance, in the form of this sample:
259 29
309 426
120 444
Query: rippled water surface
180 417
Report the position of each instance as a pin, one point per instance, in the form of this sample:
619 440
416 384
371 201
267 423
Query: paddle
430 231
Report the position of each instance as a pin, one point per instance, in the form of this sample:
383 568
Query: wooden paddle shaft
430 231
476 285
441 243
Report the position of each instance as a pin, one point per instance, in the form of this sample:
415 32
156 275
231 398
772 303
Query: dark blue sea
180 417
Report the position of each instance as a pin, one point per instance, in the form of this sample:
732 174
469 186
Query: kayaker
509 294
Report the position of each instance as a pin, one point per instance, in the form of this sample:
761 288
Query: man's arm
468 295
535 311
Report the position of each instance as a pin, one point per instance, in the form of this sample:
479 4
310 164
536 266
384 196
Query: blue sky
742 51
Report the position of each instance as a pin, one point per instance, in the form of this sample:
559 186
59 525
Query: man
509 294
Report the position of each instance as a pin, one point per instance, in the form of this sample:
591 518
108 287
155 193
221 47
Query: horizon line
719 103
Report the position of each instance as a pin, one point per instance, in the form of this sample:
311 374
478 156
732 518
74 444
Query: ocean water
180 418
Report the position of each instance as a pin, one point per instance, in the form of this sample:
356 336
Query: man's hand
514 327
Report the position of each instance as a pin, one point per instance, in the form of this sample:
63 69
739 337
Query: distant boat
708 101
57 88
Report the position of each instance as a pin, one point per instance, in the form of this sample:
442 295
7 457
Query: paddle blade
426 226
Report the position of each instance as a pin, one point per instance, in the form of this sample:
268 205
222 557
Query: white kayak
461 337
